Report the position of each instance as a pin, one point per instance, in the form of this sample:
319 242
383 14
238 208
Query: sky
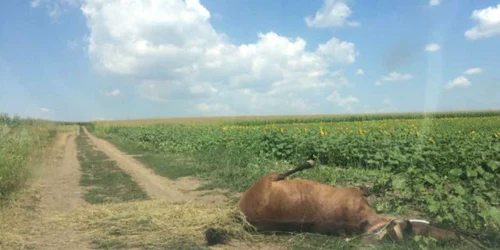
80 60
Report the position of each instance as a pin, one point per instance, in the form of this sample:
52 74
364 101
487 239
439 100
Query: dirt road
55 190
157 187
60 193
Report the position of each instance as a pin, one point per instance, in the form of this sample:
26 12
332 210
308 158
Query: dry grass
16 219
155 224
195 120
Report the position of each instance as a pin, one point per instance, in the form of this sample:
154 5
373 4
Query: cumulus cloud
345 102
360 72
459 82
171 47
488 23
432 47
394 77
473 71
434 2
338 52
333 13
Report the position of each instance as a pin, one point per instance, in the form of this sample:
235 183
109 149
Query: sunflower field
447 167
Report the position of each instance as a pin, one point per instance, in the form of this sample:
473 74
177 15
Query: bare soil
157 187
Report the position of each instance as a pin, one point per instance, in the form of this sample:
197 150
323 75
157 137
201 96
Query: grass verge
21 148
103 179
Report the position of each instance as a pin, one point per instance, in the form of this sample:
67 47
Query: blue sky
87 60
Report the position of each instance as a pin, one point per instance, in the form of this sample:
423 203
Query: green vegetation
103 179
443 167
22 144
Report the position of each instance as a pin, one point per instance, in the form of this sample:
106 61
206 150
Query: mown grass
23 143
104 181
163 225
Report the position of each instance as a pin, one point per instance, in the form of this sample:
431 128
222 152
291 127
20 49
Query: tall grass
22 142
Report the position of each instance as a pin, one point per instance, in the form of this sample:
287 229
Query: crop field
87 185
445 168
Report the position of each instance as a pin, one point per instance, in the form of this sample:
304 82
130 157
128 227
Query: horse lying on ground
275 204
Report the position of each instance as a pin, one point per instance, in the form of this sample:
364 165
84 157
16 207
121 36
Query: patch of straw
155 223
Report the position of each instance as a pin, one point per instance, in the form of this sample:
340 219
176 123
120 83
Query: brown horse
275 204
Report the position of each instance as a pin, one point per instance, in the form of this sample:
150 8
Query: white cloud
360 72
387 101
44 113
434 2
432 47
460 81
217 107
488 23
44 110
35 3
345 102
203 88
154 90
473 71
394 77
333 13
112 93
175 53
338 52
54 8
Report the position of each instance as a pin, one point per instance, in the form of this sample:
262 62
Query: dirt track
60 193
32 222
157 187
54 191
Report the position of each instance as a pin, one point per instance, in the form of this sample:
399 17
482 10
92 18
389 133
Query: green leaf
470 172
429 179
493 165
456 172
433 207
398 182
459 189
